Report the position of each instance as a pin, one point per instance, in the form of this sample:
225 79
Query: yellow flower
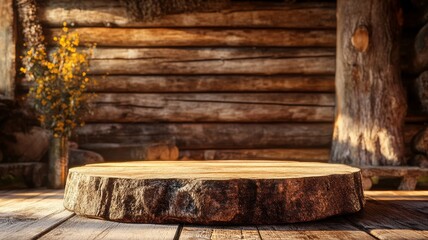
23 70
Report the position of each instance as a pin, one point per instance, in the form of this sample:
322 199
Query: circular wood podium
214 192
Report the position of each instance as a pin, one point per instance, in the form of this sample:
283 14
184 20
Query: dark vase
58 162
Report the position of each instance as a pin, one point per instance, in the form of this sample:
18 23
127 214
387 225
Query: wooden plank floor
39 214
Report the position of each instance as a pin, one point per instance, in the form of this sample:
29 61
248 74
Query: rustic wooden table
39 214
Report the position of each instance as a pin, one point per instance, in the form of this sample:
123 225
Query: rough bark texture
370 98
221 192
7 49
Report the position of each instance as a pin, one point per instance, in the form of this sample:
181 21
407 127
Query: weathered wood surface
202 37
402 171
409 175
11 196
371 105
270 15
387 221
305 154
389 227
213 192
218 135
303 65
263 61
210 135
189 54
7 49
223 107
213 108
406 200
217 233
333 228
28 218
84 228
212 83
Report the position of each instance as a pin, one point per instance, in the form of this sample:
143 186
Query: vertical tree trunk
371 103
7 49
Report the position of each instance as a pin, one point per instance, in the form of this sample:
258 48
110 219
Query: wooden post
7 49
371 104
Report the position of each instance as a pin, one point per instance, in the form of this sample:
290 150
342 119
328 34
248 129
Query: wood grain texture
305 154
386 221
217 233
191 61
189 54
334 228
7 49
242 14
27 218
304 65
213 192
212 108
84 228
218 135
210 135
11 196
409 200
371 105
211 83
201 37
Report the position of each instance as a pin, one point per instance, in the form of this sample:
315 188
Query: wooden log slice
214 192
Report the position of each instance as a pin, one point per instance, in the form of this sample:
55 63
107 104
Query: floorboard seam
41 234
346 218
178 232
258 232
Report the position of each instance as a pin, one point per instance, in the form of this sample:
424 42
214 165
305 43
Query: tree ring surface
214 192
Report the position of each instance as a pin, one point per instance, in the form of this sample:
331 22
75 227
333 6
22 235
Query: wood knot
360 39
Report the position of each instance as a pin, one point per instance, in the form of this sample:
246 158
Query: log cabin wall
253 81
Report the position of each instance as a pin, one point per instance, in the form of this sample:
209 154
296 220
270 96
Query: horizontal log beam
303 154
275 107
188 136
207 83
266 14
264 61
190 54
308 65
200 37
209 136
